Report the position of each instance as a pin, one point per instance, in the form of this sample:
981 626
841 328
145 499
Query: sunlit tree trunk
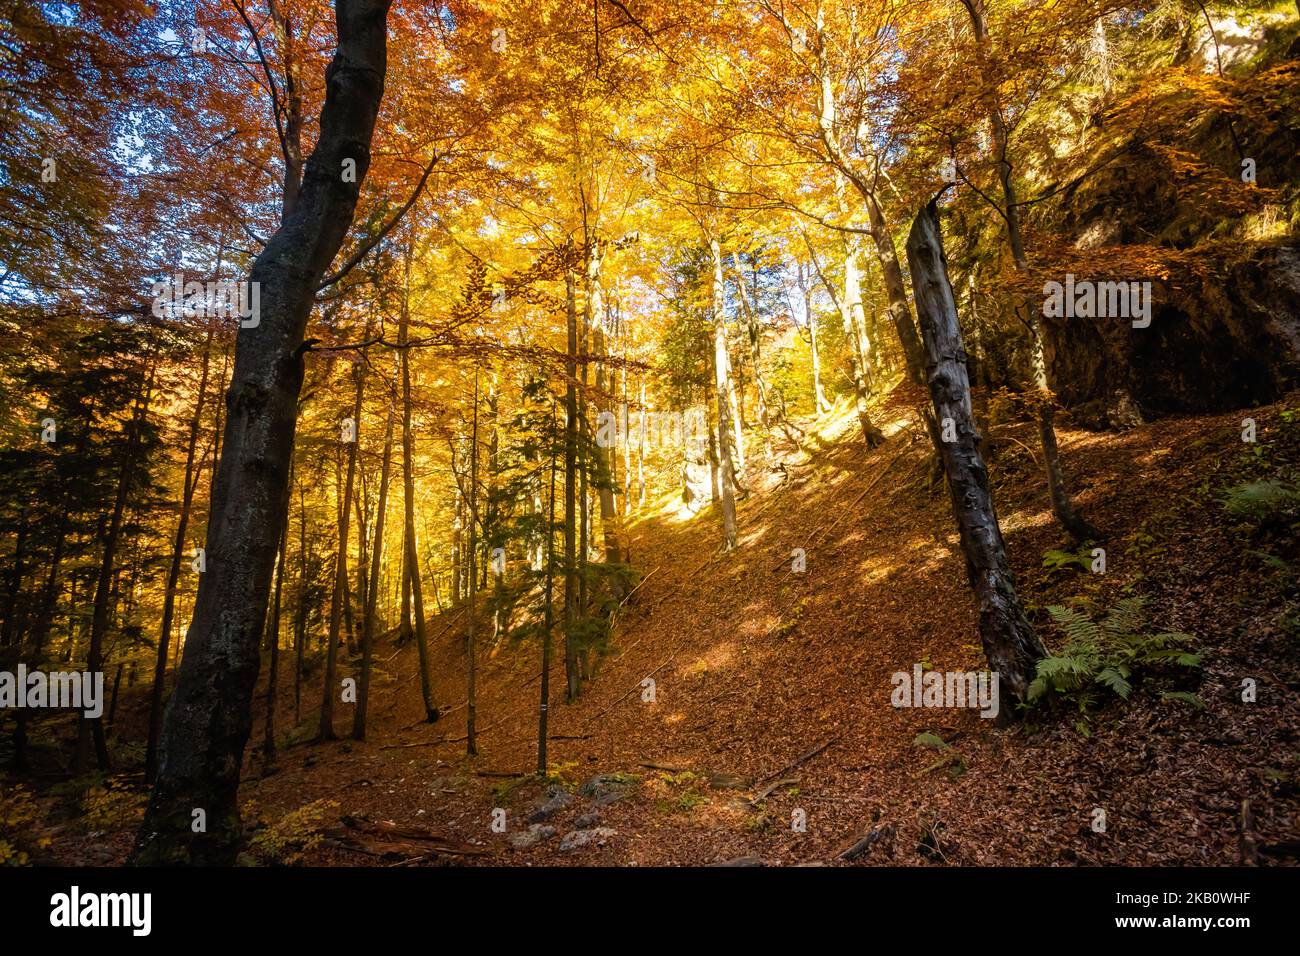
412 582
720 384
368 620
570 493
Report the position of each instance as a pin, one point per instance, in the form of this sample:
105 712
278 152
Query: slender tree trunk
725 479
871 434
570 495
471 743
595 320
300 616
188 484
640 447
805 287
1062 502
1010 643
408 494
326 731
368 622
273 679
209 717
754 331
548 612
93 727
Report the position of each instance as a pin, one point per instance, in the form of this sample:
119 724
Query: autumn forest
699 433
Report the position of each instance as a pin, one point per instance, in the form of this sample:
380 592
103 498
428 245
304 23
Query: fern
1262 502
1100 660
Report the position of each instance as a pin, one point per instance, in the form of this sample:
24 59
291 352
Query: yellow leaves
111 807
295 834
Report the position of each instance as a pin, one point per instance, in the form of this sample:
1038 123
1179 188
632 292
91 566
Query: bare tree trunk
805 287
209 718
1010 643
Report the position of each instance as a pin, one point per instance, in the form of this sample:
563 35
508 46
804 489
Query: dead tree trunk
209 717
1010 643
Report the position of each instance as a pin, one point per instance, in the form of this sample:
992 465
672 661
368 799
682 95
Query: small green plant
293 835
1261 503
1057 560
1101 659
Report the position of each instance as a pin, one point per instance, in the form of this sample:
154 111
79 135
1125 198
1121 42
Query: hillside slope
764 677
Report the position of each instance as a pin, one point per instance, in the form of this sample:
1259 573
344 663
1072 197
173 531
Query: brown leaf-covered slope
772 688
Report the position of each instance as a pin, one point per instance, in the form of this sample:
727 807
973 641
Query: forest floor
772 694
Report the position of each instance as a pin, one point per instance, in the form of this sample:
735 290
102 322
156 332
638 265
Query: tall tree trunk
754 332
805 287
412 561
548 612
93 727
859 346
595 322
570 493
1010 643
209 718
471 675
273 632
871 434
300 612
1062 502
725 479
188 484
340 590
368 622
